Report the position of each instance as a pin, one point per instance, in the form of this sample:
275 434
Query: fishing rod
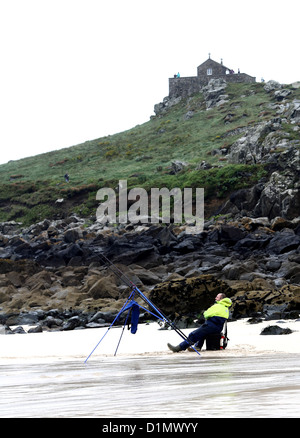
130 284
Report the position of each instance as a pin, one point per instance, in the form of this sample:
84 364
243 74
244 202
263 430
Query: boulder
145 275
25 318
283 242
272 85
73 234
249 148
275 330
36 329
279 197
252 242
230 234
73 323
168 102
104 288
188 296
177 166
281 94
213 92
52 321
250 302
71 251
18 330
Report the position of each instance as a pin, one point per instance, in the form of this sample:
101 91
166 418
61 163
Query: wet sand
45 375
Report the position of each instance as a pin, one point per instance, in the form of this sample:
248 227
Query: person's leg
197 336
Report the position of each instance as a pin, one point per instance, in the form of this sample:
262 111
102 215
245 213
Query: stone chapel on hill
186 86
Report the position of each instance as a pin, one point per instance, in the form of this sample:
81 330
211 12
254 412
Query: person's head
220 297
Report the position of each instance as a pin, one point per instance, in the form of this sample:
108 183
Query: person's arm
211 311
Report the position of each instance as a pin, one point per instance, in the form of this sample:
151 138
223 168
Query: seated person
215 317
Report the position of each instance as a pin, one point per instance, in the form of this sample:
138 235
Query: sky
77 70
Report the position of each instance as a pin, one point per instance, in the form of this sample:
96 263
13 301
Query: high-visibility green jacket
220 309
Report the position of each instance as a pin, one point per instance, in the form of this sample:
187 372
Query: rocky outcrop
273 144
182 296
266 143
279 196
277 148
52 274
168 102
213 93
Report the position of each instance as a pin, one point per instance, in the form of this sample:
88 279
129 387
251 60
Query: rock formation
52 275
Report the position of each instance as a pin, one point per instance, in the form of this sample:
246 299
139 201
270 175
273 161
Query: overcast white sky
76 70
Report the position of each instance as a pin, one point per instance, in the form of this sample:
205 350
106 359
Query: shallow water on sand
168 386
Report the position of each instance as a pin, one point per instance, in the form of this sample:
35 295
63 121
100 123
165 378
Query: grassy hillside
142 155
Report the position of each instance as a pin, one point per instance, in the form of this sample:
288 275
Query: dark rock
275 330
230 234
53 312
70 236
18 330
274 316
255 320
8 330
17 319
72 250
283 242
274 309
185 246
37 329
51 322
127 253
107 317
246 199
3 319
28 318
273 265
73 323
252 242
294 314
52 260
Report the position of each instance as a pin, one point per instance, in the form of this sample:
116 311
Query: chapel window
209 72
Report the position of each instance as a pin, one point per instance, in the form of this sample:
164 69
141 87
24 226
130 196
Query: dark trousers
198 336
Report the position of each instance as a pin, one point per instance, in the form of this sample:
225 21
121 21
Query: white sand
245 339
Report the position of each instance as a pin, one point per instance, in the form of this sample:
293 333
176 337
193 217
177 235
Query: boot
173 348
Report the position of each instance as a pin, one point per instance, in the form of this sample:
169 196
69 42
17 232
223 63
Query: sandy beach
150 339
47 375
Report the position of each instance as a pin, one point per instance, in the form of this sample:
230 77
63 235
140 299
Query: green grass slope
142 155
